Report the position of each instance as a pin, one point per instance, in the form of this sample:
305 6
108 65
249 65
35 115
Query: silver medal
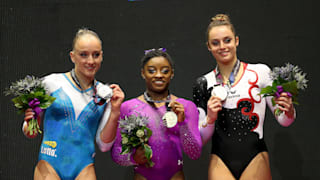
170 119
104 91
220 92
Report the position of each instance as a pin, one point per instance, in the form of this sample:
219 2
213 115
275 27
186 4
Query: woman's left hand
177 108
285 104
117 97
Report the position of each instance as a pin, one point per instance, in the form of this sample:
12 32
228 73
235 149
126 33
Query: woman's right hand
213 107
139 156
28 114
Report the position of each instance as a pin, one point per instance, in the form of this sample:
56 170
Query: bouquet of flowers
30 93
289 79
135 133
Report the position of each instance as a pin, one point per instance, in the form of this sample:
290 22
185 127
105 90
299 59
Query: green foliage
26 90
135 133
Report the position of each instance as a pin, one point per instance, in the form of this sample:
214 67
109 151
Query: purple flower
289 94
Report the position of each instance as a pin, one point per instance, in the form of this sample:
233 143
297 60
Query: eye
215 43
227 40
83 54
151 71
96 54
165 71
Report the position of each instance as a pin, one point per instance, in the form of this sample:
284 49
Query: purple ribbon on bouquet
280 90
34 105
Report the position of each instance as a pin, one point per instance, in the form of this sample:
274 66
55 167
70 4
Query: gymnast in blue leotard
78 116
232 111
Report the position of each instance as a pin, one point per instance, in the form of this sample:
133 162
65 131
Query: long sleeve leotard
167 143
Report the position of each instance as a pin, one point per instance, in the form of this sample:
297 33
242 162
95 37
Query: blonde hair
82 32
220 20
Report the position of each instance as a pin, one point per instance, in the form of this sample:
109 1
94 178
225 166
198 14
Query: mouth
159 82
224 53
90 68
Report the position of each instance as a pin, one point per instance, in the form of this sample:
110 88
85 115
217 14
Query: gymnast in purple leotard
167 143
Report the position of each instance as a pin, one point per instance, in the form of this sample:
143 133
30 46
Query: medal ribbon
95 97
151 101
232 76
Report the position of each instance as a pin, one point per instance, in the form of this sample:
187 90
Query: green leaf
125 150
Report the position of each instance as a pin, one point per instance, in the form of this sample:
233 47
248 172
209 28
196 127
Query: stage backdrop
36 36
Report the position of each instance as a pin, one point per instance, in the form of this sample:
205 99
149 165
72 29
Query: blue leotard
70 126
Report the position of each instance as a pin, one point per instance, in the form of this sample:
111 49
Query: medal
101 90
170 119
104 91
220 92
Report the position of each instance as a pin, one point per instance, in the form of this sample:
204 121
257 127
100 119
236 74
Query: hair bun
220 17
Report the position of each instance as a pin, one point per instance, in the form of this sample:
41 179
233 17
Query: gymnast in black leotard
232 111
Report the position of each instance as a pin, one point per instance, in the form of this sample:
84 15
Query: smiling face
222 43
87 56
157 73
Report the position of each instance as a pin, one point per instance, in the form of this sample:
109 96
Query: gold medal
170 119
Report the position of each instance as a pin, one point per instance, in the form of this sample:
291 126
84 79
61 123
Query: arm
284 102
126 159
189 132
200 98
107 130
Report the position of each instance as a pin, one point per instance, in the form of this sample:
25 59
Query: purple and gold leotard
167 143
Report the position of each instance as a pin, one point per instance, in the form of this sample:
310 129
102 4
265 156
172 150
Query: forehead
219 32
88 42
158 62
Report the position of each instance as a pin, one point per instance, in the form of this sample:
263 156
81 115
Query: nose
90 59
222 45
158 74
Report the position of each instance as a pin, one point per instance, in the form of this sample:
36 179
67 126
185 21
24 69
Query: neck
85 82
158 96
226 69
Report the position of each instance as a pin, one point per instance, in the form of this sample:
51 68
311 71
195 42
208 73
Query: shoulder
186 102
259 67
205 80
129 103
53 77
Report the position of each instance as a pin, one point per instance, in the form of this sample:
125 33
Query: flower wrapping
135 133
30 93
289 79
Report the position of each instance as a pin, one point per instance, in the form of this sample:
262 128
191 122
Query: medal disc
220 92
170 118
104 91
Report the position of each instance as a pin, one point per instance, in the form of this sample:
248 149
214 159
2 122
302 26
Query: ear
208 46
237 41
142 74
172 75
71 54
102 55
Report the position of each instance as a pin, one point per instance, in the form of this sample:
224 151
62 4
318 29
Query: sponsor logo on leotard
233 96
50 151
52 144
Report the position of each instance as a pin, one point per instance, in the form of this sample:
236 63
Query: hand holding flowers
287 81
29 94
135 135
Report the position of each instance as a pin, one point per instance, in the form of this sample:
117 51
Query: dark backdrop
36 35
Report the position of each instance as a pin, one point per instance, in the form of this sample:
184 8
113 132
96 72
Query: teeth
158 82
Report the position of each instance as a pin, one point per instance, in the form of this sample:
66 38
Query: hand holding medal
220 92
175 115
